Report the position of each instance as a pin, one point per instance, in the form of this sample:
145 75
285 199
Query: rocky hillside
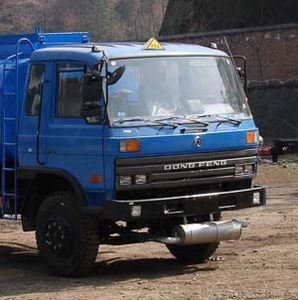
195 16
105 19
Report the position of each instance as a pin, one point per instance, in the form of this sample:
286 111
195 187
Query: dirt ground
263 264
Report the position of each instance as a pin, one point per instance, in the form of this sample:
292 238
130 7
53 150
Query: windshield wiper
221 119
158 122
173 121
183 118
197 121
232 120
121 121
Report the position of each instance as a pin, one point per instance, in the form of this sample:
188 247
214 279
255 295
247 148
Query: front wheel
66 239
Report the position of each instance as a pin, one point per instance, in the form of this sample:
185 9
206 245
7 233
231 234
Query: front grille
202 172
182 191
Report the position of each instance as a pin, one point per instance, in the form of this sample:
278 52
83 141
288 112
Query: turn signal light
96 179
251 137
130 146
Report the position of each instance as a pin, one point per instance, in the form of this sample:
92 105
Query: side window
35 90
69 94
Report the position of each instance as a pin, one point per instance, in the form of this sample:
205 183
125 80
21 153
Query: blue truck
119 143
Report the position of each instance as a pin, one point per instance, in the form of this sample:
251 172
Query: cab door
39 75
66 141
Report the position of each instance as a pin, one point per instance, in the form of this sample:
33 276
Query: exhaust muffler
204 233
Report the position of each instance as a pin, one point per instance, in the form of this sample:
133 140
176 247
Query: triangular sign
153 44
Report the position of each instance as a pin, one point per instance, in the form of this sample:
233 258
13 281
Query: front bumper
180 206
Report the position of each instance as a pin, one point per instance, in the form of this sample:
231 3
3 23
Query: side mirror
92 87
241 74
113 77
92 112
242 70
90 109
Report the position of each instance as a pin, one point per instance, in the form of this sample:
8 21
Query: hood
168 141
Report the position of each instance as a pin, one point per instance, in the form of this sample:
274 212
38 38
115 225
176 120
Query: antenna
229 51
242 77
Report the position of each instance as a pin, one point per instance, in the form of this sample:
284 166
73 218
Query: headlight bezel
245 170
125 180
140 179
133 180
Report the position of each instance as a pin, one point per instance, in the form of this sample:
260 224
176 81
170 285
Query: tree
104 19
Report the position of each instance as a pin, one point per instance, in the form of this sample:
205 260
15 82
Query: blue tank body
11 88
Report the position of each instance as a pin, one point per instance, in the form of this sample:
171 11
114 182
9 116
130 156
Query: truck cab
122 143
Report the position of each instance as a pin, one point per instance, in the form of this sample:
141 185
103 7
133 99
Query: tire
67 240
195 254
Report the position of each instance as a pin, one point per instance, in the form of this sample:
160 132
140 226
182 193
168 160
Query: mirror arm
243 58
105 91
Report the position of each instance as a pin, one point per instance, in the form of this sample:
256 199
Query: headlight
242 170
125 180
140 179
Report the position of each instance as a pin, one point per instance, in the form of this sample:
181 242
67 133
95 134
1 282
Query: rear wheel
195 254
67 240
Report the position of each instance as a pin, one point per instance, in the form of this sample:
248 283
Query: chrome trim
193 197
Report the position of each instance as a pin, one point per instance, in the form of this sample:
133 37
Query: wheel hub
58 236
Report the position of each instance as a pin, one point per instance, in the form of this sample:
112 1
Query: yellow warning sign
153 44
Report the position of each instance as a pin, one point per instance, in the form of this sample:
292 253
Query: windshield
161 87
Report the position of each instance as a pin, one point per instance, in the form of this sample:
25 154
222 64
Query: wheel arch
42 182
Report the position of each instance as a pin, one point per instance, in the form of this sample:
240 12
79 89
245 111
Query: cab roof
120 50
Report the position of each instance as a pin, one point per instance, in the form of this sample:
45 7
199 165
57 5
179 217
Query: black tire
193 254
67 240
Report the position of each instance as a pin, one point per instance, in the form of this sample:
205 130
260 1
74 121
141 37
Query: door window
34 91
69 94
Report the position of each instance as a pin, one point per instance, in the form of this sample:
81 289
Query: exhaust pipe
204 233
